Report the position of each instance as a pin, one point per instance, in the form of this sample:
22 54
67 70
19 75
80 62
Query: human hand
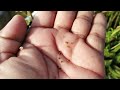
58 46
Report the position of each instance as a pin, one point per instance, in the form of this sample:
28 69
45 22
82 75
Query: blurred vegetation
6 16
112 42
112 45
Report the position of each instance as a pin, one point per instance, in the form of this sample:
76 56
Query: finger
96 38
43 18
64 19
11 37
75 72
82 23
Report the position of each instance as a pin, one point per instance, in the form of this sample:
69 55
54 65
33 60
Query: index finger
43 18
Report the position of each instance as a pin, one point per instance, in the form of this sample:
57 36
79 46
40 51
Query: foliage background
112 42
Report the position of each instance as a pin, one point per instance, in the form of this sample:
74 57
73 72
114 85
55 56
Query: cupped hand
59 45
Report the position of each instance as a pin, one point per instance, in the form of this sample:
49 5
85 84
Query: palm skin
59 45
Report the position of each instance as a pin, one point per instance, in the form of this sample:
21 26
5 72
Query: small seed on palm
21 48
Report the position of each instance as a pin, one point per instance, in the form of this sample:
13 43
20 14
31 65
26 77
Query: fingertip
64 19
20 19
15 28
18 16
100 18
43 18
17 20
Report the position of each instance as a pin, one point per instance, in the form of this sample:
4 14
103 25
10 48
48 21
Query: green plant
112 45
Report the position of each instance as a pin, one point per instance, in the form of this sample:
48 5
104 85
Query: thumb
11 37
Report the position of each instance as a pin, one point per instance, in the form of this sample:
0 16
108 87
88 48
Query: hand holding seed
60 45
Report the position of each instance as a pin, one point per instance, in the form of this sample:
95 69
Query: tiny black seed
68 46
60 53
66 42
61 61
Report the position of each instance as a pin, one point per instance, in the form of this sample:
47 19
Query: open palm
59 45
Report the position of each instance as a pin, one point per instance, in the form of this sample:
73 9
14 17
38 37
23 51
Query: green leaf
108 63
116 48
108 54
113 73
108 35
28 20
117 59
116 67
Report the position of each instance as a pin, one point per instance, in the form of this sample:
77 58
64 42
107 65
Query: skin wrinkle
62 61
46 65
14 53
96 23
85 18
89 69
46 58
9 39
80 35
98 36
53 36
89 46
8 52
101 53
60 27
25 64
28 42
59 51
20 56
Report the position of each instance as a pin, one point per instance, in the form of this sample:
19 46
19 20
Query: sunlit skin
59 45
